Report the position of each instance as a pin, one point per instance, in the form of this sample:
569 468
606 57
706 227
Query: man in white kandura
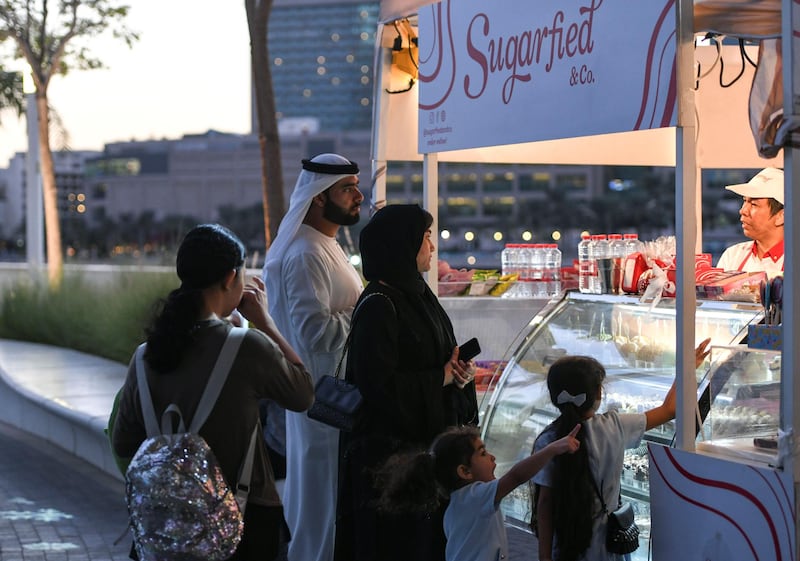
311 291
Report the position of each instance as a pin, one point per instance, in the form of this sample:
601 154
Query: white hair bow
566 397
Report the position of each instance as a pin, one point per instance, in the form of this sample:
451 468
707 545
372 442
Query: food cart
623 82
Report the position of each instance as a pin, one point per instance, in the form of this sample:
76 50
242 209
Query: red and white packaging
702 264
730 285
634 266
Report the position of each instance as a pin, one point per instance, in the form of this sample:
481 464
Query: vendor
761 216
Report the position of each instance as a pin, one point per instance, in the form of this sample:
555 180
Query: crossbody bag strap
597 490
352 323
600 495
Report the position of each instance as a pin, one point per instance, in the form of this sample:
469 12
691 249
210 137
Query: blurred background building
136 198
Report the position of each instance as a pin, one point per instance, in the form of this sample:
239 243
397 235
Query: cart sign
703 507
511 71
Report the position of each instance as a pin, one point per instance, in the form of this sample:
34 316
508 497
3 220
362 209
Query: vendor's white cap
768 183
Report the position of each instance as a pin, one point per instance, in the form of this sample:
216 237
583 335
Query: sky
189 72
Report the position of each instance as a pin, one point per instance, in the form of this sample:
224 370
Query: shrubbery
106 321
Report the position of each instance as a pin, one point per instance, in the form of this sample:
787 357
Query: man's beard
336 214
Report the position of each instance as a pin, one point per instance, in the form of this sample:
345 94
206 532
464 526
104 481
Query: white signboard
510 71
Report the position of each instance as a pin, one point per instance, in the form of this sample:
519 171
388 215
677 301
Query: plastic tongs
764 294
776 301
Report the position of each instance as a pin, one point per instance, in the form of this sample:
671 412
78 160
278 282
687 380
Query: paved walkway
67 504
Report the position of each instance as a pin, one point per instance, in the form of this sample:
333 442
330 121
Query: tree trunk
273 200
55 259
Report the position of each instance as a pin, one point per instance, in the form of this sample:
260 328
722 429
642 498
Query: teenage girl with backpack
183 343
459 469
569 519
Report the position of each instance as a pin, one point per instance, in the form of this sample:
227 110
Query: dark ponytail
578 377
421 482
206 255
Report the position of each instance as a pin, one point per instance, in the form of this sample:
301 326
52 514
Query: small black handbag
337 402
622 533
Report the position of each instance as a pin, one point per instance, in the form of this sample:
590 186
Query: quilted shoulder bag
622 533
337 402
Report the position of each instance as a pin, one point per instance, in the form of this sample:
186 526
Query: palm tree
273 201
11 95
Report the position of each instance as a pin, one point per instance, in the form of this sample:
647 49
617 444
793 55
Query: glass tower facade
322 61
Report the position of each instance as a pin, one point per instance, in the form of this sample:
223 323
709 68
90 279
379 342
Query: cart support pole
685 228
790 354
430 190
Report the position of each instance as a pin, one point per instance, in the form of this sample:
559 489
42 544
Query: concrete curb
43 391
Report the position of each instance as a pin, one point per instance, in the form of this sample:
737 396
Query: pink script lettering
515 54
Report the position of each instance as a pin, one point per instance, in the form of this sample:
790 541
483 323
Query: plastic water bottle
524 270
506 259
511 258
601 264
632 244
616 249
552 270
537 284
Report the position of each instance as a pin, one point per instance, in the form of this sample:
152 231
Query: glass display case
743 404
636 344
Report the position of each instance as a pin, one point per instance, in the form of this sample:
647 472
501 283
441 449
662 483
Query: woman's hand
457 371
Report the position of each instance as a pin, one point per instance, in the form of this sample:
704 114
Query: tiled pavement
61 497
55 506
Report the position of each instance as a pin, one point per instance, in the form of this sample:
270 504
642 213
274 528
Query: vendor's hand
457 371
701 352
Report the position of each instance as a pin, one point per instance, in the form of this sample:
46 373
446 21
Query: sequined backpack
179 503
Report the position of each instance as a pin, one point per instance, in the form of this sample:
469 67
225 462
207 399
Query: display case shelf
744 412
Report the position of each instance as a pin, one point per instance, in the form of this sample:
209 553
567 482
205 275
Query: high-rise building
321 54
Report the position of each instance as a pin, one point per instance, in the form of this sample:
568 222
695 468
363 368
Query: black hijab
390 243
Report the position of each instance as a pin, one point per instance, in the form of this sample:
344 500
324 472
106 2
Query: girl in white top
459 466
569 520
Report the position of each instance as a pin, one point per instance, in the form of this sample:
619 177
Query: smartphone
469 350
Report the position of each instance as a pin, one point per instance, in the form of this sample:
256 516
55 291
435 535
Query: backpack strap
243 485
215 382
217 378
148 411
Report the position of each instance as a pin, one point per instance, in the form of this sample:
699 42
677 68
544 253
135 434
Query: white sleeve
308 303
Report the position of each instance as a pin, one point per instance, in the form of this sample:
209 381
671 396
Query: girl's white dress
606 437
